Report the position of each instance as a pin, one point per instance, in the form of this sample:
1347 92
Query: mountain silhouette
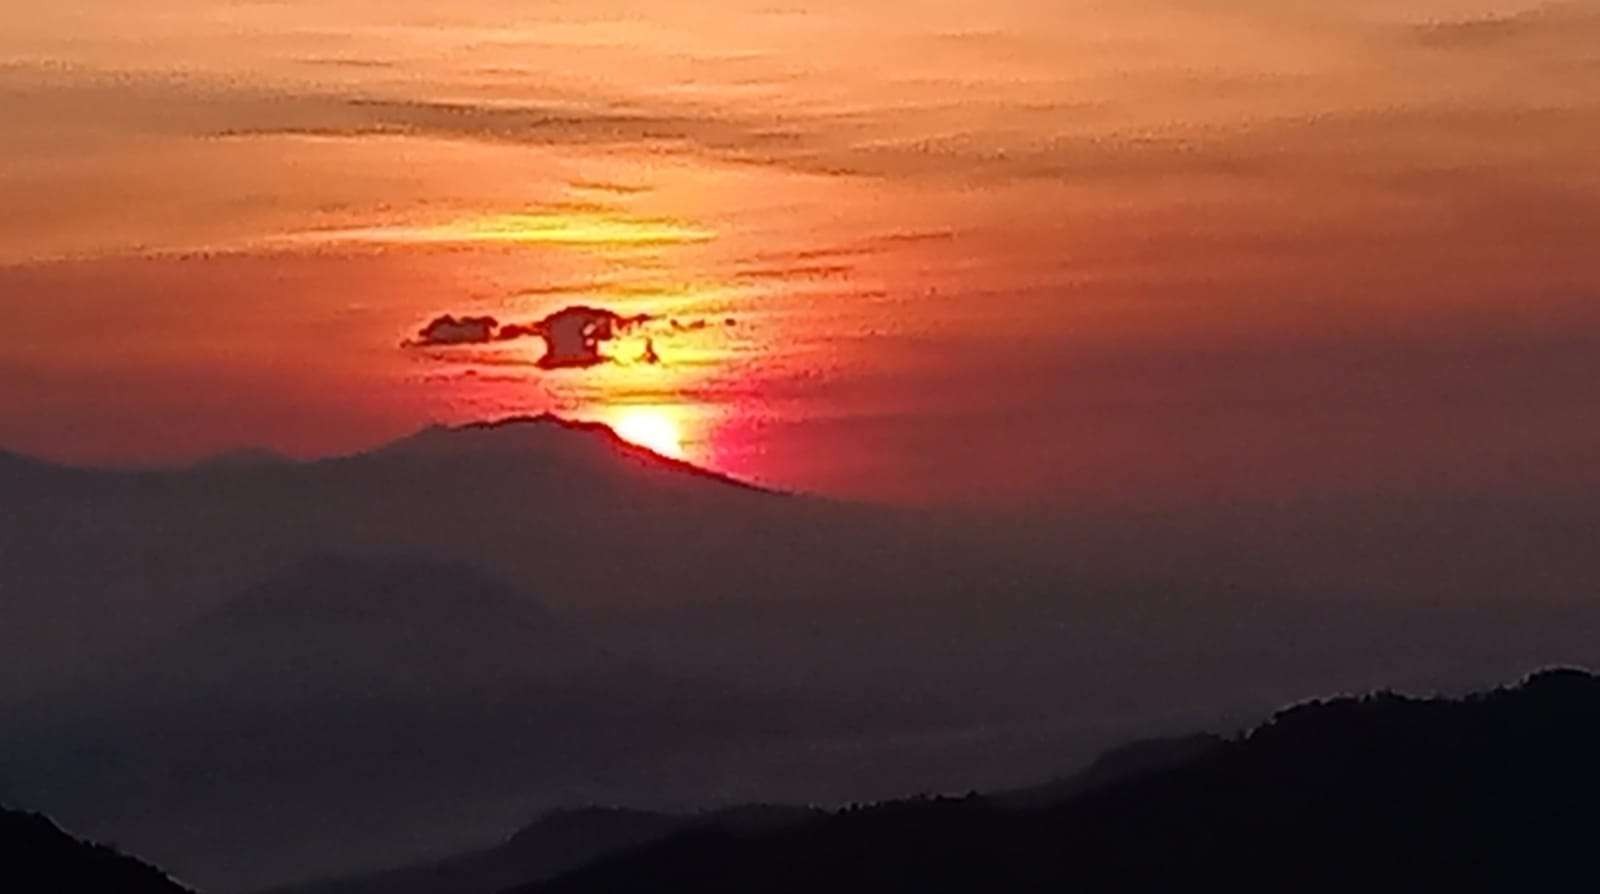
36 855
557 444
1117 765
353 688
368 624
482 618
1491 792
559 841
564 840
243 458
260 672
568 506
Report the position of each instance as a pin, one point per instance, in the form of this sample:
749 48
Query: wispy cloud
621 189
1573 25
583 228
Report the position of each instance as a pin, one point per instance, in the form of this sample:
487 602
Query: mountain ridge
557 840
1486 792
38 855
622 849
544 433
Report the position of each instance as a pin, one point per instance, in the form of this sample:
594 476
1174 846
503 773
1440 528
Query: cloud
1116 138
1570 26
603 186
347 62
571 224
574 336
596 122
449 330
798 271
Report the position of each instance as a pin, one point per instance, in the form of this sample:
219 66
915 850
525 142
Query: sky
950 253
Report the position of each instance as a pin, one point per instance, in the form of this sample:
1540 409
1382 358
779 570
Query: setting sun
652 430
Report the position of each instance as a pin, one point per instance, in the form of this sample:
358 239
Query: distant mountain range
480 618
260 670
1495 792
565 840
1495 789
37 856
557 842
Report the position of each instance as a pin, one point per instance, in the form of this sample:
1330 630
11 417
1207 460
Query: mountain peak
542 420
511 434
550 439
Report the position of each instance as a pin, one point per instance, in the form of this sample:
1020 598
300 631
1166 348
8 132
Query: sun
651 429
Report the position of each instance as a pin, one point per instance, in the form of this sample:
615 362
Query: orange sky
1015 251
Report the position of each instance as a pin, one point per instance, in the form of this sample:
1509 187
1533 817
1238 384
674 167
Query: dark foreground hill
35 855
1499 791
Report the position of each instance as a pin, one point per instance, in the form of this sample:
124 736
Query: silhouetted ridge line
1494 791
12 462
36 855
547 432
1117 765
556 842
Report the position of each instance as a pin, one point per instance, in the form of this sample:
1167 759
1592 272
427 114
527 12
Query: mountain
374 623
594 521
1117 765
564 840
356 689
554 443
1491 792
482 619
35 855
559 841
260 672
243 458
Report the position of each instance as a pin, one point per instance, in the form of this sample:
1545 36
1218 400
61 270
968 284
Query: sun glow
651 429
